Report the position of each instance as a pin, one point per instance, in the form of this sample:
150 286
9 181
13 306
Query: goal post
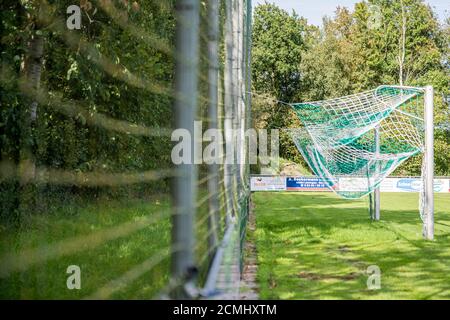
429 164
428 181
377 198
354 142
374 198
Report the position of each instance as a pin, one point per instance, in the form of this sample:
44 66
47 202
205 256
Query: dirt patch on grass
318 276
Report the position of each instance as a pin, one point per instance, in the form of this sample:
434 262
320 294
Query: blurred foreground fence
92 205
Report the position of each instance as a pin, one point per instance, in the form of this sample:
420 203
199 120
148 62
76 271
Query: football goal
354 142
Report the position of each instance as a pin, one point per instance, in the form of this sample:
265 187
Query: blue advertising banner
306 184
409 185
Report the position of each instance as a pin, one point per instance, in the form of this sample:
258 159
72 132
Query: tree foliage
357 50
111 69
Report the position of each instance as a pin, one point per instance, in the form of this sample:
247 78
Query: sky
314 10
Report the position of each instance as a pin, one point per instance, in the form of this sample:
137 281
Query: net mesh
338 137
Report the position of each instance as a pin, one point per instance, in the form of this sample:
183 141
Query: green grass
100 262
318 246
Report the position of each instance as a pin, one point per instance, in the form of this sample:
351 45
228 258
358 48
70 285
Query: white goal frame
428 183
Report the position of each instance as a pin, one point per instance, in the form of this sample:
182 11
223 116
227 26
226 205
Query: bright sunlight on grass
318 246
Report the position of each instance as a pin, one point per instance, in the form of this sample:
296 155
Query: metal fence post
229 106
185 109
236 94
248 72
242 104
213 169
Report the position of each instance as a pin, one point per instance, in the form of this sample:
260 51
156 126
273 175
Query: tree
82 75
278 44
279 41
378 42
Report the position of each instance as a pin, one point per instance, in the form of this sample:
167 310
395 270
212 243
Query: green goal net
354 142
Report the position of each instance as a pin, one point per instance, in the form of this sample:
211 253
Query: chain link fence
98 99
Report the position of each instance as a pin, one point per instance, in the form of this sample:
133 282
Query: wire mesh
86 174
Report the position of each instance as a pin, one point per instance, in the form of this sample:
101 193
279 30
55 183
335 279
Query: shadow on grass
99 263
323 252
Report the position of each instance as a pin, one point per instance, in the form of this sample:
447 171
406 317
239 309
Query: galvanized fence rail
229 67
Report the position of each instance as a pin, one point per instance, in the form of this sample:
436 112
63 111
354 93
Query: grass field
318 246
126 240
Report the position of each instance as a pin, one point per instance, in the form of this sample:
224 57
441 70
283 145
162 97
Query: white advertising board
276 183
268 183
352 184
413 185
